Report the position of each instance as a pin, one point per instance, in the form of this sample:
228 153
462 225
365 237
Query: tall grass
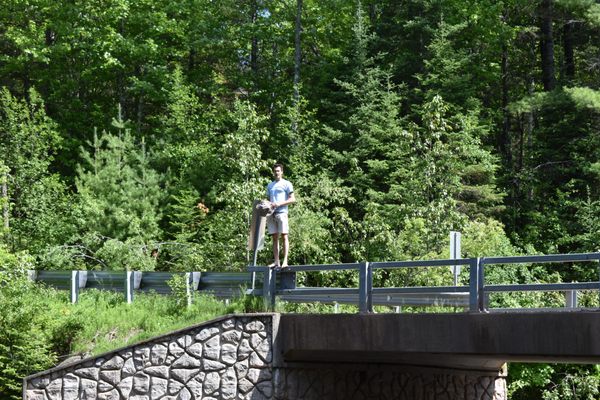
102 321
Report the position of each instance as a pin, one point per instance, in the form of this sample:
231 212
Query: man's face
277 173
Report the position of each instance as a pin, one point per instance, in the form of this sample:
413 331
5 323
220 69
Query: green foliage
588 216
223 234
487 238
553 381
106 321
37 201
25 343
179 292
593 15
585 98
118 191
117 213
412 121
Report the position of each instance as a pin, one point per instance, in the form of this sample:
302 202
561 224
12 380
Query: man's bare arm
290 200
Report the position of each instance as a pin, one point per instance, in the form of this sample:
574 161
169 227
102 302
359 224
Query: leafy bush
553 381
25 344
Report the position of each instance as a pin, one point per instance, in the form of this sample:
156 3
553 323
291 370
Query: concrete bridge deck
464 341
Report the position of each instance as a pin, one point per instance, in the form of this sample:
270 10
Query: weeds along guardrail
272 284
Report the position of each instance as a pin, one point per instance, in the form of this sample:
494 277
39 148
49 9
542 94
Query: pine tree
118 196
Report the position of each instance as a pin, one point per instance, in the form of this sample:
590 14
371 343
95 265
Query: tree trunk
547 45
140 112
191 61
254 49
5 216
505 142
569 67
50 38
298 50
527 148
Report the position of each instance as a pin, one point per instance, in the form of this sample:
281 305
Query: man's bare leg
286 246
275 237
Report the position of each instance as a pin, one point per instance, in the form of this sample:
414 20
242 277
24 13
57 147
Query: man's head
278 171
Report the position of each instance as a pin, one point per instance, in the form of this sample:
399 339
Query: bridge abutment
247 357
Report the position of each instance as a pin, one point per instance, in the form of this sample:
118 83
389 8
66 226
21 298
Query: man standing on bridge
280 193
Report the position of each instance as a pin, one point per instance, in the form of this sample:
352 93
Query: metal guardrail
220 284
570 288
474 296
270 283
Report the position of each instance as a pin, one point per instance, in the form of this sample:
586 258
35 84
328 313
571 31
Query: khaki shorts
278 223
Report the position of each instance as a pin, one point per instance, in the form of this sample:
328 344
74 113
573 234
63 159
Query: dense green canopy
128 127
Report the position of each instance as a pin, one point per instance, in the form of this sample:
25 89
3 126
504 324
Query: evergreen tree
118 198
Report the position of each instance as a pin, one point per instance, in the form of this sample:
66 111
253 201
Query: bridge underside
463 341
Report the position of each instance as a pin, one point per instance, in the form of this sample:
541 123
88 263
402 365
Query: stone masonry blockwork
229 358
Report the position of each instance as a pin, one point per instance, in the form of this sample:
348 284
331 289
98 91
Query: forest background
133 126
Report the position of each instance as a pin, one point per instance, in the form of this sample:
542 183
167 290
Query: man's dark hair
277 165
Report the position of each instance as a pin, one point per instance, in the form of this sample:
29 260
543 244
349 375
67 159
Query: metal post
599 279
192 283
474 285
32 275
369 287
480 284
571 298
365 288
287 279
455 254
188 288
269 289
129 283
74 286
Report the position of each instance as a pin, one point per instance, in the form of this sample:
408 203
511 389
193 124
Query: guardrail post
287 279
474 285
188 288
269 289
74 286
369 287
480 284
192 280
598 254
129 283
32 274
365 288
571 298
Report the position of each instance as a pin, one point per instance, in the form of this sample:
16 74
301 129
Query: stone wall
385 382
228 358
237 357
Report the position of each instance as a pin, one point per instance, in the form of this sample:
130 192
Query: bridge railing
474 296
272 284
570 288
365 295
